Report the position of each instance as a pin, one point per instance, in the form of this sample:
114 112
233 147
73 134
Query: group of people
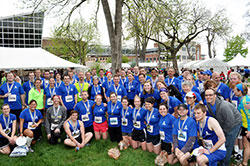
165 114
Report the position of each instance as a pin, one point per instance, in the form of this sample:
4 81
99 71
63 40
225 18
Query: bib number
162 135
31 126
53 126
137 124
49 101
113 121
11 98
150 128
98 119
85 118
69 98
182 136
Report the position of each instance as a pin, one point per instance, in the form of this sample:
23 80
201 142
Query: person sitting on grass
30 120
7 129
76 136
54 120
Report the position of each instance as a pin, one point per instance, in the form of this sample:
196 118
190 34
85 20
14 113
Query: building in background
22 31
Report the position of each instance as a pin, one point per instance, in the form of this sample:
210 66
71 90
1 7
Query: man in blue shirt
117 88
13 94
28 85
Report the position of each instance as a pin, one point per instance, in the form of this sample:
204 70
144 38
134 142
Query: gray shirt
226 114
51 120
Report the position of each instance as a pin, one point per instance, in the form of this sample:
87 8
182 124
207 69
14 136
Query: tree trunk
115 32
136 50
209 45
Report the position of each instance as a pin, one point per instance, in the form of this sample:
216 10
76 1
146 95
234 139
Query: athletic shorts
139 135
101 127
216 156
37 133
127 134
79 139
154 139
4 142
167 147
89 129
244 132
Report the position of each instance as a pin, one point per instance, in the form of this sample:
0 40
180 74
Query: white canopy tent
32 58
239 61
109 65
215 63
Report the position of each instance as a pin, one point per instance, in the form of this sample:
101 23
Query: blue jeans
230 139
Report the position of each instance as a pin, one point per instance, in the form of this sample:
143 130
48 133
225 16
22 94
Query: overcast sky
235 11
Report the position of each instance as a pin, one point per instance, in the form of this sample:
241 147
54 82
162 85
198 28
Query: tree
218 27
234 47
76 37
179 22
141 23
114 25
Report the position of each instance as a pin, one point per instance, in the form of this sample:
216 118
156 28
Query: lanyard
116 89
130 85
81 87
141 88
56 111
33 118
102 80
218 87
202 128
191 111
149 116
59 84
67 89
181 126
109 83
113 107
123 81
171 82
154 82
135 115
10 88
8 122
53 92
86 106
231 94
124 114
96 89
74 127
31 85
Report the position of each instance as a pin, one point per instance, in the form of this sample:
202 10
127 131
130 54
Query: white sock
240 152
29 140
236 148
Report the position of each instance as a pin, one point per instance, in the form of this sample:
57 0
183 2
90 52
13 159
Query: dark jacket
226 114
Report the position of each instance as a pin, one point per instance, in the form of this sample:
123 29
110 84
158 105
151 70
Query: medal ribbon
181 126
8 122
32 117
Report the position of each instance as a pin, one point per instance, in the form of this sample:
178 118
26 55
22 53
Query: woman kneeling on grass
75 131
30 120
7 129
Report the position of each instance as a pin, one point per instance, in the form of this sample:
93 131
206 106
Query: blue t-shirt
224 90
16 91
49 93
107 85
102 80
25 114
213 108
85 112
95 91
99 113
172 103
90 82
174 81
123 81
155 95
152 120
127 120
139 89
7 129
166 125
114 112
131 89
195 89
246 71
139 118
26 87
119 90
45 84
189 129
66 92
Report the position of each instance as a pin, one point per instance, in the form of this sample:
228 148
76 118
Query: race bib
150 128
49 101
7 131
182 136
76 134
162 135
53 126
113 121
85 118
119 98
137 124
30 126
11 98
208 144
124 122
69 98
98 119
79 95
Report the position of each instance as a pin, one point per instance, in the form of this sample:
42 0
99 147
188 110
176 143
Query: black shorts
246 75
244 132
4 142
167 147
79 139
139 135
37 133
127 134
89 129
17 113
154 139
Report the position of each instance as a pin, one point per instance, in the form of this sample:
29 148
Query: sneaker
238 158
88 144
31 150
77 149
